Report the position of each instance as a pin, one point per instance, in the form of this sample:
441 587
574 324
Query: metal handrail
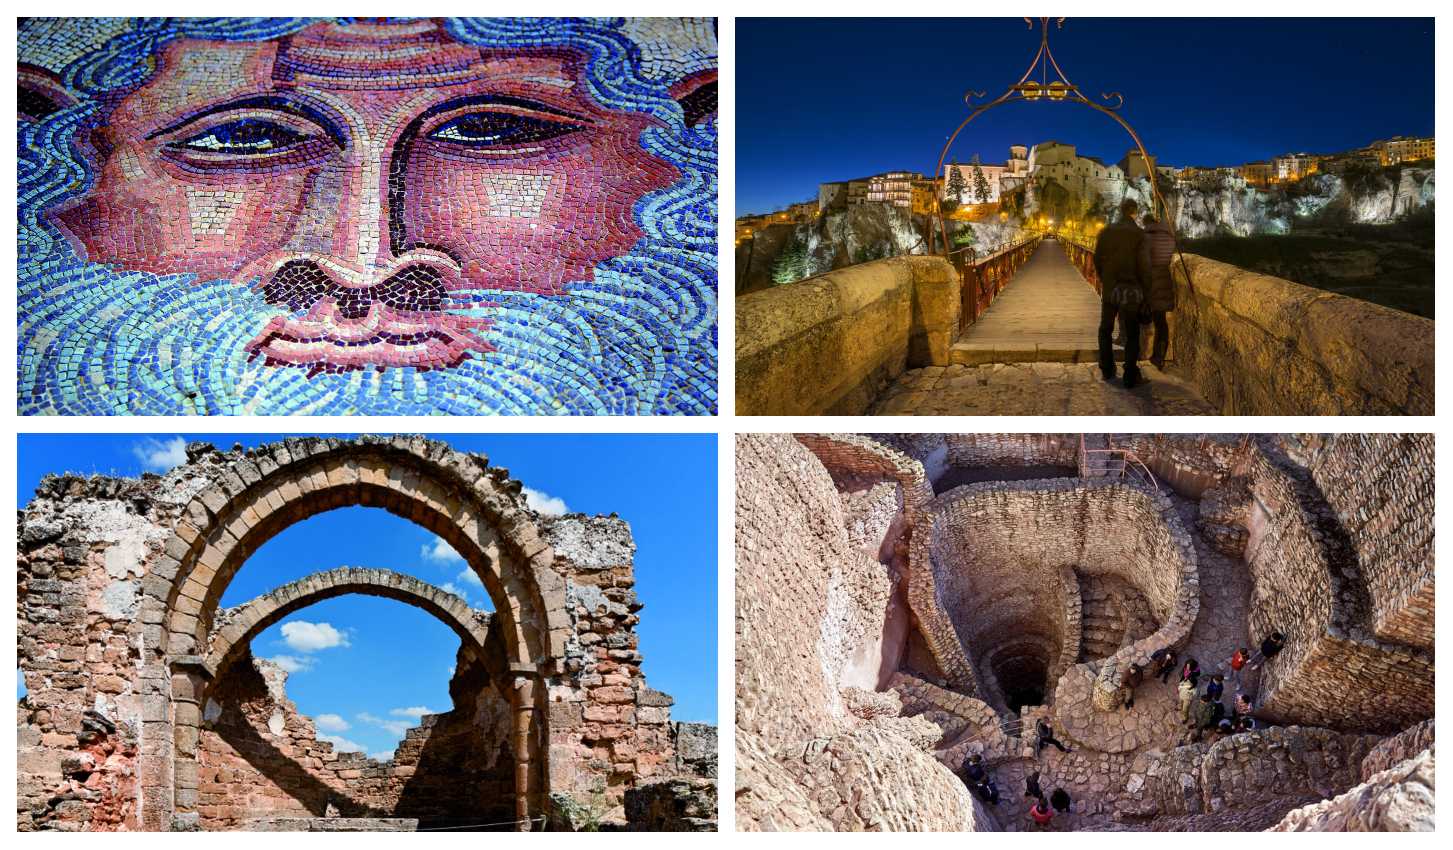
1115 463
983 278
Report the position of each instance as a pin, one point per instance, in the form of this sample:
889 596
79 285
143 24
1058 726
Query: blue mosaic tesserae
367 216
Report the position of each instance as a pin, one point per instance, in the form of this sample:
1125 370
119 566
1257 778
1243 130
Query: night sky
832 99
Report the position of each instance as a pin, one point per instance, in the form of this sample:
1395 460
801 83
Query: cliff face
1233 208
783 253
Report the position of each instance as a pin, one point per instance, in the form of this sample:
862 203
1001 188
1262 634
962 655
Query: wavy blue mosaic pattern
638 339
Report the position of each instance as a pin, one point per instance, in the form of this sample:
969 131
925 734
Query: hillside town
977 191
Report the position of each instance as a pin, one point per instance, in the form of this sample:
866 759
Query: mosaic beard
94 340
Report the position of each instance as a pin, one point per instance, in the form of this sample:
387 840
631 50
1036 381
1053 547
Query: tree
954 191
981 184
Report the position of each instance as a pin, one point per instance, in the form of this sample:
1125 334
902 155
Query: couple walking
1133 265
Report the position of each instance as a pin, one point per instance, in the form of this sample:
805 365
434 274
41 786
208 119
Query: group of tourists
1201 710
1133 265
1042 807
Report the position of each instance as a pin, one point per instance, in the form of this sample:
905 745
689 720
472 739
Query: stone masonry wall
997 533
1257 345
791 544
813 753
609 729
1243 771
1307 584
1013 449
1395 749
859 458
260 759
1379 485
830 344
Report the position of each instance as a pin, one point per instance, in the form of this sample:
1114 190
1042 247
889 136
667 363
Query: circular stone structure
1008 559
989 597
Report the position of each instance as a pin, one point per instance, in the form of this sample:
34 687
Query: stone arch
252 496
252 617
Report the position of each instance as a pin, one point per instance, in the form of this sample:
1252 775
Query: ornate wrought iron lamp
1056 89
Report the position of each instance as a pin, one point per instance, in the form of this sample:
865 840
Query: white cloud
544 503
397 728
292 663
160 455
342 745
451 587
414 711
382 756
439 552
311 637
331 723
469 576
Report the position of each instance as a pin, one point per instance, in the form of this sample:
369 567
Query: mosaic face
388 196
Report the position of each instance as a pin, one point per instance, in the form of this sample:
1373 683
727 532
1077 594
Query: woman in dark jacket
1162 298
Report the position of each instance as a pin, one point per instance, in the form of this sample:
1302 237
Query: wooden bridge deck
1047 313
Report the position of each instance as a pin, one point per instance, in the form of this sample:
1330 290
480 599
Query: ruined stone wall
831 343
1399 799
83 548
852 459
259 759
100 592
1246 770
814 752
610 729
1013 449
1257 345
1189 464
1306 583
1380 485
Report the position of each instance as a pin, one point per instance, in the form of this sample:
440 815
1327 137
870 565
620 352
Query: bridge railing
984 277
1082 254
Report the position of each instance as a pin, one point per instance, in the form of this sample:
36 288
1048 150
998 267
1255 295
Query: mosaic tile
363 216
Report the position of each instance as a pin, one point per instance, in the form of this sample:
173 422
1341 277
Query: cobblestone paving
1036 389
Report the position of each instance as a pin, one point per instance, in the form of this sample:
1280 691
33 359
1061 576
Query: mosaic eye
247 136
489 129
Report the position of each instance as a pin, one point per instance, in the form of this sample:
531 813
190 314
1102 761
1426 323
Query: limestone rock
1400 799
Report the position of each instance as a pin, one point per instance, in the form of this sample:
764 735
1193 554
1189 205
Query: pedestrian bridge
1049 314
923 335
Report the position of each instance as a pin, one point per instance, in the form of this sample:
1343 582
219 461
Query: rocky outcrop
1399 799
817 747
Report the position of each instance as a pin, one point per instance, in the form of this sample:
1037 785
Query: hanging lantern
1057 90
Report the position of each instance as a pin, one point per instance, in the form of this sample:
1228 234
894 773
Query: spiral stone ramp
1192 554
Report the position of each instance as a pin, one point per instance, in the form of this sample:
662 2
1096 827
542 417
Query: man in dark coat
1162 296
1122 262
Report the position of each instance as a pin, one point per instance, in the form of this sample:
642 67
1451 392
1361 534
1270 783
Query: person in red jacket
1041 812
1238 661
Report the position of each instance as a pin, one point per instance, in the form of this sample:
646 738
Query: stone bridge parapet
830 344
1257 345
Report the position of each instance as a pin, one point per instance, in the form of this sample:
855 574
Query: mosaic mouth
423 341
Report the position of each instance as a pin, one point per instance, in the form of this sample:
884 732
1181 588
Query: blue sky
837 98
365 667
